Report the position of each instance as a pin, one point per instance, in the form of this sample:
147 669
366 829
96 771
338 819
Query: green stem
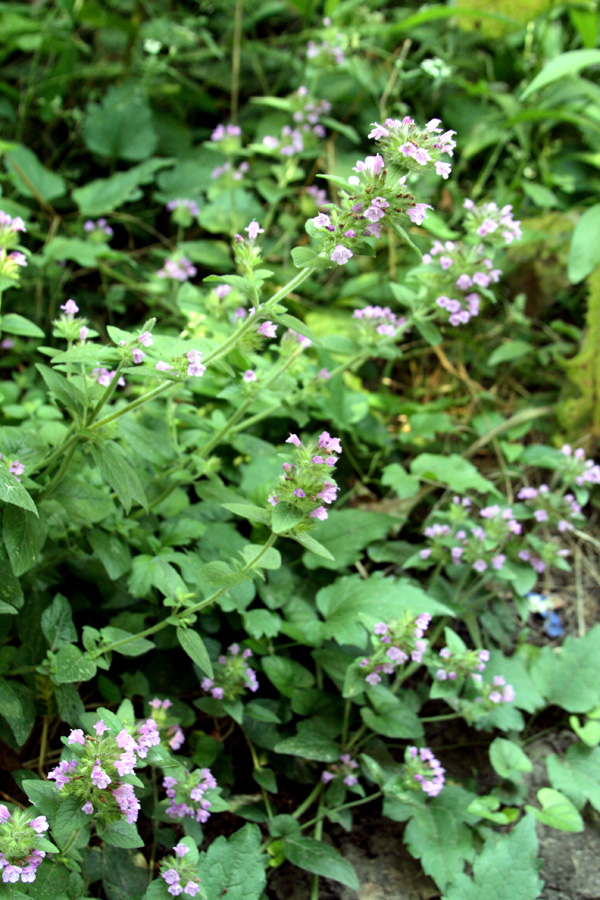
316 792
60 473
111 388
349 805
318 834
68 846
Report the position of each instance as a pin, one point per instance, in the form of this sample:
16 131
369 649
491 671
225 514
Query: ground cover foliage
299 405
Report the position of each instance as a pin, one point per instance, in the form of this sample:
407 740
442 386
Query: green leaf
320 859
83 252
287 675
122 126
439 836
119 473
124 874
351 605
508 352
569 63
571 679
57 623
13 323
286 517
83 502
506 868
393 721
44 795
17 708
106 194
121 834
193 645
259 622
72 665
270 559
589 733
508 759
113 553
24 536
345 534
403 484
11 593
51 883
577 775
309 543
31 178
307 258
307 746
234 868
584 253
459 474
298 326
557 811
65 391
12 491
248 511
135 646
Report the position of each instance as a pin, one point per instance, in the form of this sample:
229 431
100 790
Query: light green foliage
577 775
506 868
583 370
320 859
234 866
571 679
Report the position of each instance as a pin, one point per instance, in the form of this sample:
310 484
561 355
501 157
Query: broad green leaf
106 194
83 502
124 873
24 535
509 351
577 775
248 511
12 491
439 836
44 795
307 746
65 391
121 126
557 811
403 484
506 868
345 534
259 622
234 868
352 605
119 473
393 721
135 646
31 178
569 63
193 645
121 834
451 469
287 675
57 623
309 543
571 679
307 258
270 559
320 859
83 252
508 759
13 323
589 733
17 708
72 665
584 253
286 517
114 554
51 883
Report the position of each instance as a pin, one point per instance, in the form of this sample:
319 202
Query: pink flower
319 513
70 308
294 439
341 255
138 355
268 329
249 376
254 230
417 213
163 366
146 339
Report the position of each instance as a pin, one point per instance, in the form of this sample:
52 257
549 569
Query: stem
236 57
69 844
316 791
43 745
314 888
349 805
111 388
60 474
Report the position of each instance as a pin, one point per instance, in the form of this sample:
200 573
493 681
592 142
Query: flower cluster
459 274
10 263
179 269
550 507
97 230
344 770
226 133
232 675
453 666
495 225
102 761
325 52
379 196
379 320
16 468
576 469
236 174
498 691
423 771
21 844
305 112
184 211
308 480
180 875
171 729
104 377
394 644
189 795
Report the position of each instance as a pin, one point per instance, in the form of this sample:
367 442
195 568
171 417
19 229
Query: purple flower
76 736
268 329
70 308
99 778
249 376
88 808
195 367
417 213
146 339
319 513
294 439
254 230
163 366
341 255
138 355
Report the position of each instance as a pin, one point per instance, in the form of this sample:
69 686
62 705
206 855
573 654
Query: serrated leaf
307 258
72 665
234 867
403 484
577 775
13 323
106 194
439 836
320 859
122 834
120 474
121 126
248 511
571 679
193 645
12 491
506 868
508 759
307 746
286 517
30 177
451 469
